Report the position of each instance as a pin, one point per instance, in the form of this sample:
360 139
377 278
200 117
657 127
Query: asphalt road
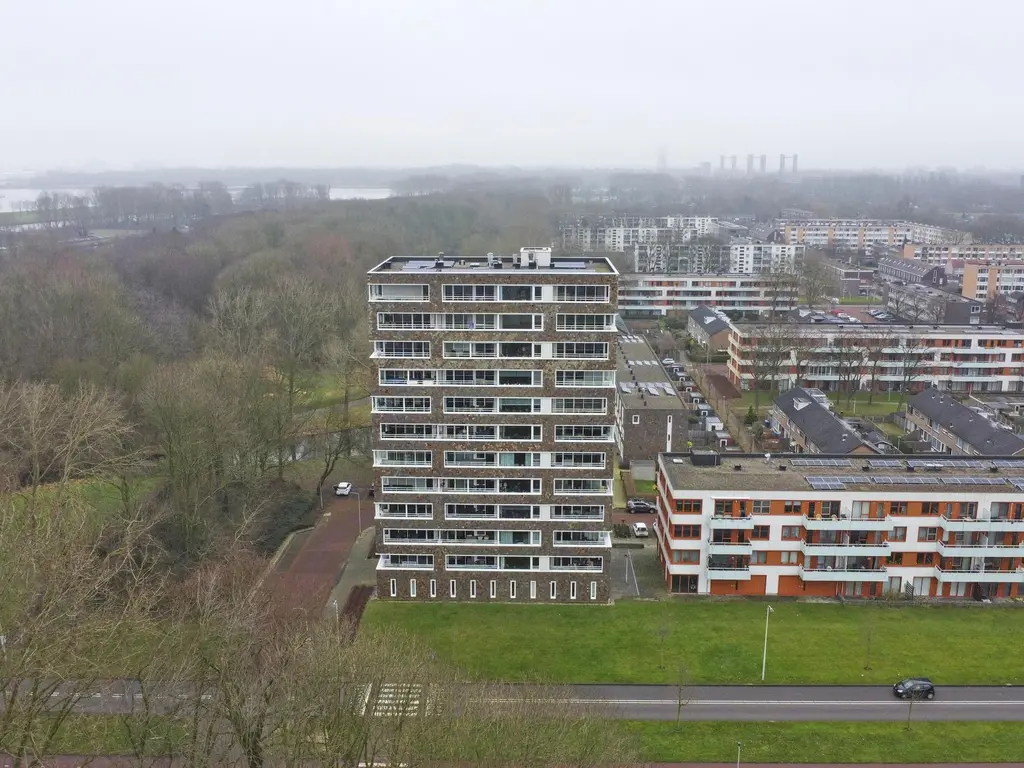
821 703
659 702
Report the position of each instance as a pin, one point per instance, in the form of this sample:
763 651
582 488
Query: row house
841 526
882 357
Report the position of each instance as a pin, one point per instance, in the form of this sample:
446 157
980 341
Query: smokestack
764 163
794 162
782 164
750 165
734 163
721 162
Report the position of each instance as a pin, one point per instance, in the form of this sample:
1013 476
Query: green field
881 405
718 642
645 487
928 742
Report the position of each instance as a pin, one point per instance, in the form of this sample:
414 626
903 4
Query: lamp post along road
359 510
764 656
739 748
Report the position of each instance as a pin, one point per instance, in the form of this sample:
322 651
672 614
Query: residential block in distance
830 526
493 426
849 234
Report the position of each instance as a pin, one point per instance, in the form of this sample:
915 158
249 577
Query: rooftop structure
805 417
535 259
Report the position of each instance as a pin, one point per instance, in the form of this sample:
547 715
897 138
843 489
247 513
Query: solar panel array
956 463
827 483
821 462
973 481
901 480
884 463
1017 482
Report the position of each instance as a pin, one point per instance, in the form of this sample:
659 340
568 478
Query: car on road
640 505
640 530
914 688
668 361
343 489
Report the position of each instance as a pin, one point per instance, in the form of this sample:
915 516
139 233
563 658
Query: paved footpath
77 761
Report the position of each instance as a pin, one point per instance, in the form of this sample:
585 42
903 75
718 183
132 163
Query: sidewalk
359 570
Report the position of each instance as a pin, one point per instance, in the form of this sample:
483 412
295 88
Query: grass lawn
328 390
718 642
645 486
925 742
882 404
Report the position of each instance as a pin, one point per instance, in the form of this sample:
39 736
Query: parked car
640 530
343 489
668 361
914 688
640 505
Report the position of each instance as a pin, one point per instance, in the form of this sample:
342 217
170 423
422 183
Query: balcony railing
842 574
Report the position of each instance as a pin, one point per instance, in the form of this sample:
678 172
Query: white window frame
472 589
493 589
572 590
412 404
377 292
453 588
558 406
636 418
553 592
393 590
584 379
562 322
577 433
433 587
512 589
578 350
593 590
412 587
418 350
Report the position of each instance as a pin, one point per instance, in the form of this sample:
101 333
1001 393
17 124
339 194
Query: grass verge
646 642
927 742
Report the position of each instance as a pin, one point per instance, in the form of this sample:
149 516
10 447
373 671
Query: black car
914 688
640 505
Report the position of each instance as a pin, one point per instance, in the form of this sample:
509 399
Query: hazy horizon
531 83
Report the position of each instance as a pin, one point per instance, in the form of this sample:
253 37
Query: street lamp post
739 748
764 656
359 509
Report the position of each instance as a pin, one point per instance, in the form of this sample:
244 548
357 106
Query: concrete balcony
838 549
733 523
721 573
844 523
981 550
843 574
990 524
979 576
730 548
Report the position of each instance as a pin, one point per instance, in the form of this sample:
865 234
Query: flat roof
498 265
641 380
884 475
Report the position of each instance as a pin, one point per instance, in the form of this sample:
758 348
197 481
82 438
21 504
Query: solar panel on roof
901 480
1008 463
1017 482
883 463
821 462
973 480
569 264
956 463
827 483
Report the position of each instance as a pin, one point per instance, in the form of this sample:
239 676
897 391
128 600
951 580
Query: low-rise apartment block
650 415
806 419
878 357
982 281
493 426
845 526
619 234
910 271
949 426
940 255
657 295
742 257
861 234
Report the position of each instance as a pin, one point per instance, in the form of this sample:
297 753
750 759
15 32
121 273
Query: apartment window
402 458
593 590
388 321
761 507
584 322
519 432
791 532
789 558
760 532
582 486
533 590
401 405
572 590
393 591
580 538
470 292
518 349
688 506
399 292
554 590
577 512
898 533
584 378
930 508
758 557
924 558
433 587
582 432
928 534
588 293
412 587
469 404
520 379
493 589
405 510
521 322
581 350
969 510
521 293
512 590
686 555
636 419
401 349
791 507
579 405
689 532
452 588
593 460
472 588
519 405
898 508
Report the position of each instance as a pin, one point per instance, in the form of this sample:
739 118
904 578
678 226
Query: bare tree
815 280
912 354
895 301
876 346
769 350
935 309
848 354
781 284
682 684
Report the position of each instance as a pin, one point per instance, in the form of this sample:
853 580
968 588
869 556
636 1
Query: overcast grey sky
121 83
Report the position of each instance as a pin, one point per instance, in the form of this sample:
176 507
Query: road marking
749 703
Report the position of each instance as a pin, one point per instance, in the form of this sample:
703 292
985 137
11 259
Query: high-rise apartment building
493 426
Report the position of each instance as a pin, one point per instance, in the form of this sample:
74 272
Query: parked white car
640 530
343 489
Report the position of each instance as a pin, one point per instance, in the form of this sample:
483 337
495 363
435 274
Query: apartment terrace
471 265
